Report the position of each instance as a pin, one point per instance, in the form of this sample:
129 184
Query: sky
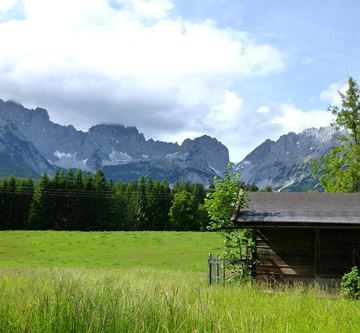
242 71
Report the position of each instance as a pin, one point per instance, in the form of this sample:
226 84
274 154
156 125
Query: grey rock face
206 153
36 126
284 164
18 156
112 147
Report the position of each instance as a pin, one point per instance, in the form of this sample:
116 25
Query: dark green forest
85 202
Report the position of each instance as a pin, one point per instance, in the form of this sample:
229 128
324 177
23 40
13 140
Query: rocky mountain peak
209 152
41 113
204 141
284 164
118 129
322 134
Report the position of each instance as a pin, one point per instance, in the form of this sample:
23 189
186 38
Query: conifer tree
78 202
25 191
102 201
40 212
9 204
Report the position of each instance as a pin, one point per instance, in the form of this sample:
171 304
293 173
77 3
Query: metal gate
217 272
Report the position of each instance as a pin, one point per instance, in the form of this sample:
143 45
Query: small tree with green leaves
339 171
220 204
183 212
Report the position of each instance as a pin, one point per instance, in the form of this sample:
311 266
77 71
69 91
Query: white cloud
293 119
331 94
149 9
136 63
263 109
6 5
227 112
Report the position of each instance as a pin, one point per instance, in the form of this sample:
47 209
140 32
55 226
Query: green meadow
185 251
146 282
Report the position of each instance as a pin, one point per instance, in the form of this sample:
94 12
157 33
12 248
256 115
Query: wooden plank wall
336 251
304 254
284 252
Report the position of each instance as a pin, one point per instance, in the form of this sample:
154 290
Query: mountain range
31 144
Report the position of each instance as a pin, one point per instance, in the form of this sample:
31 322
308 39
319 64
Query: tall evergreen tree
119 218
141 216
57 199
78 206
8 204
103 202
131 197
159 204
40 211
88 204
24 196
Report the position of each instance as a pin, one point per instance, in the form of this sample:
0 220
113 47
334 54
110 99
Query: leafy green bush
350 284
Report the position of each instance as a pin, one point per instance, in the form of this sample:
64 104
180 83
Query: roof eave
286 224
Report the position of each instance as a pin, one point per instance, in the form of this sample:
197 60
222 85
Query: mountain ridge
112 146
284 164
124 153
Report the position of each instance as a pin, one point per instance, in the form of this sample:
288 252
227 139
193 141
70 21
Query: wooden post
217 270
210 269
240 247
254 254
316 253
224 274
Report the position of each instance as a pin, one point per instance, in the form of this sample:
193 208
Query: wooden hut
303 235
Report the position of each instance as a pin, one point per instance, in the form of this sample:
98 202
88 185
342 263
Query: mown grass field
144 294
185 251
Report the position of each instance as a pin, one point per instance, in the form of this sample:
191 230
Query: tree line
81 201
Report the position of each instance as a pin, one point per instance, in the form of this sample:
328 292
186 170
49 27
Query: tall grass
147 300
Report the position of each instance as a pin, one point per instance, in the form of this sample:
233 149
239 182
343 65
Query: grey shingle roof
300 209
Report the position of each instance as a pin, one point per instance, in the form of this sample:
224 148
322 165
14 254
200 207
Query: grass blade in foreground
146 300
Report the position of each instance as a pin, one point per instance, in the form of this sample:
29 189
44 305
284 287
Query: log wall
303 254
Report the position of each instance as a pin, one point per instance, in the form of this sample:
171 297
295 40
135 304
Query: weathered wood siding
305 253
336 251
284 252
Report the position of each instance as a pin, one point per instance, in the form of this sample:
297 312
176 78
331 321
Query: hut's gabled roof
299 209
